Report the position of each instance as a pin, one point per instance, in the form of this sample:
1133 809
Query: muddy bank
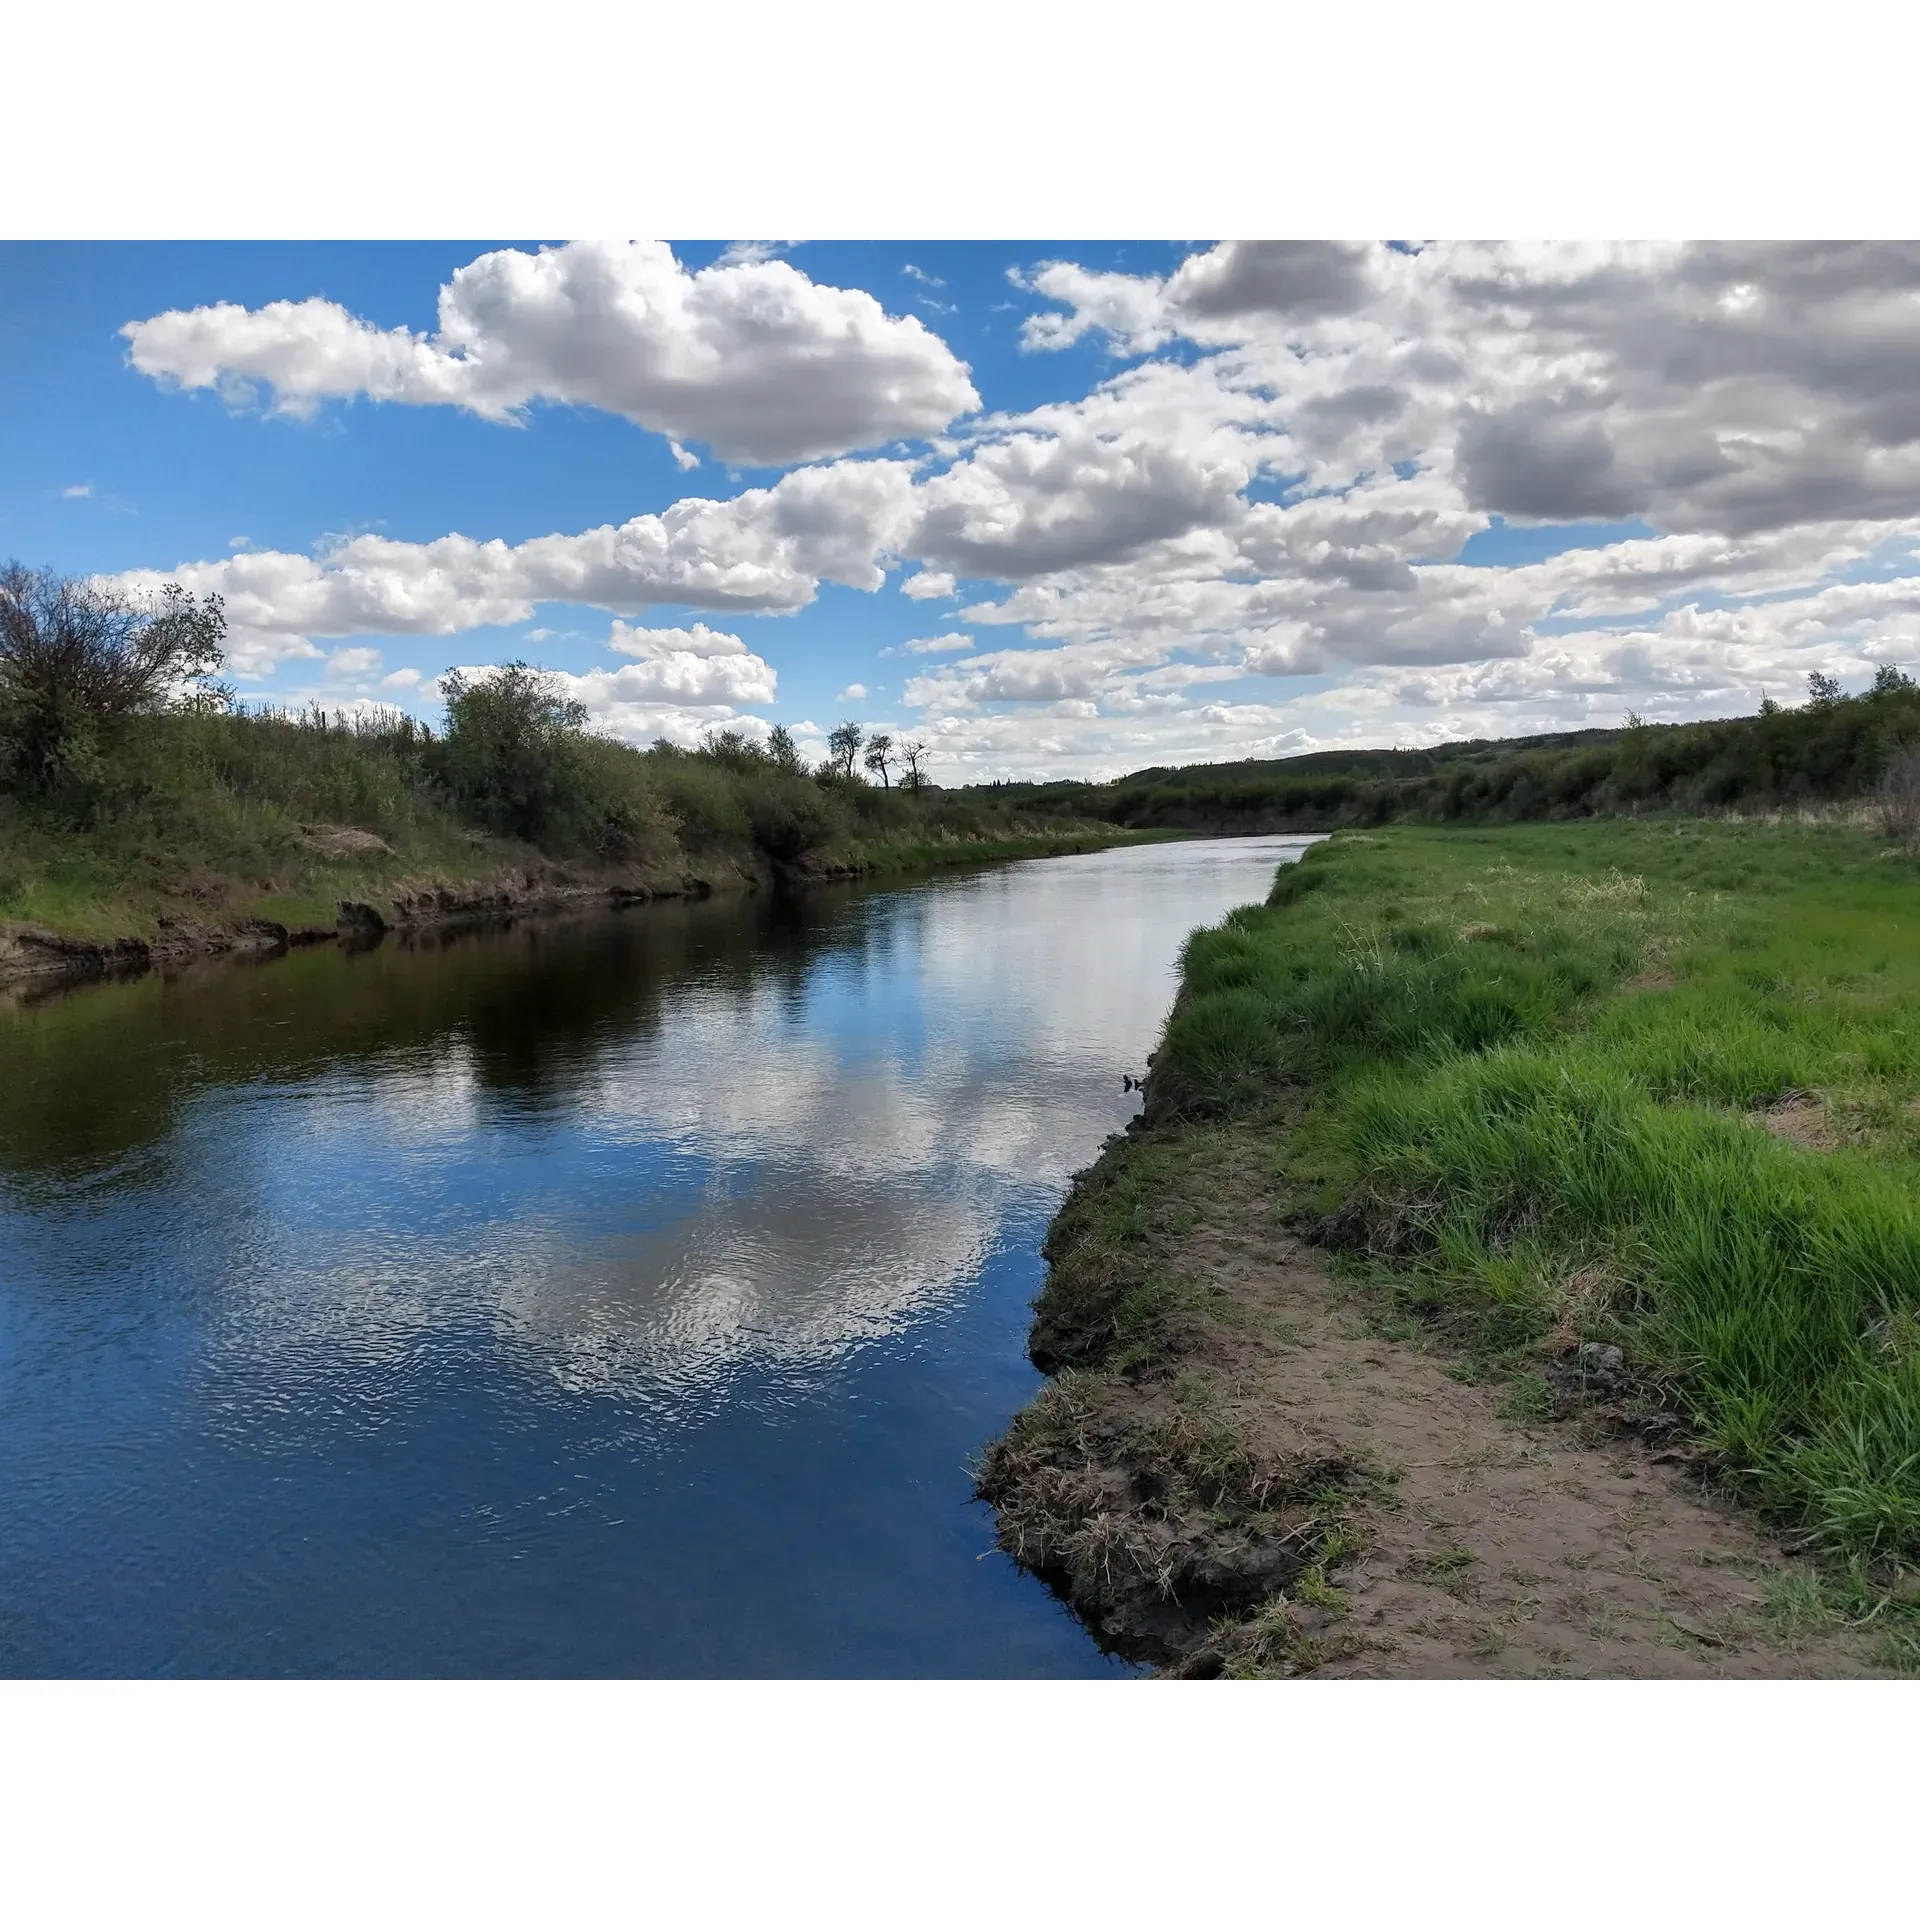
1234 1472
30 954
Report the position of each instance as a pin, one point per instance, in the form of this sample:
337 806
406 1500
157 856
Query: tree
913 756
843 746
879 756
1887 678
782 751
1824 690
731 748
510 749
78 659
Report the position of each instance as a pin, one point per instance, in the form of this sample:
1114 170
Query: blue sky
1170 502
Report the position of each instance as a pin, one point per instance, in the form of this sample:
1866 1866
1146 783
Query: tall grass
211 814
1534 1070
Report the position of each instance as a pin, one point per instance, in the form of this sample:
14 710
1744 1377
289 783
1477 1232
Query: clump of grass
1493 1124
1111 1300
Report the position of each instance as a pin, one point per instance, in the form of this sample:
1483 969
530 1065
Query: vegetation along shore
1516 1268
146 816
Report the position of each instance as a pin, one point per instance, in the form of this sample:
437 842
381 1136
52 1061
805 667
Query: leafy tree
732 748
843 746
878 757
782 751
1887 678
913 756
509 753
1824 690
77 660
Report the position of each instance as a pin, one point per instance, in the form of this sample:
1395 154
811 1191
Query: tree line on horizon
1834 748
108 705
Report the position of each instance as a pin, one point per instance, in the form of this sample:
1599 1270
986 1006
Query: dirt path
1281 1491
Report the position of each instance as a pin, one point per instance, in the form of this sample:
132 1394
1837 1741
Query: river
612 1296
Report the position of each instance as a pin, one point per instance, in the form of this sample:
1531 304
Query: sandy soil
1473 1543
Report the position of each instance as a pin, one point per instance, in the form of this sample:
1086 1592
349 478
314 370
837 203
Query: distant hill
1833 749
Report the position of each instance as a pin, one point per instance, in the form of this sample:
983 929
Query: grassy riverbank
1622 1118
219 819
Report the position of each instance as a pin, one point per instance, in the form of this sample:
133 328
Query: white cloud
351 662
700 684
82 492
402 679
854 692
748 356
1212 296
1037 502
1254 540
683 667
646 643
765 551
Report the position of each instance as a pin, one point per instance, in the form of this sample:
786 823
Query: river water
617 1296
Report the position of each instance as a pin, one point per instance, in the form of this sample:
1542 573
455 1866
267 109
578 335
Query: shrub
79 661
1897 800
511 755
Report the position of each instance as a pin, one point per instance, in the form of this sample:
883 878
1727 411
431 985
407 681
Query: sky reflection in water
617 1297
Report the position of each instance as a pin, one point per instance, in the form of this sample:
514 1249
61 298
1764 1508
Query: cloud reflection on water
769 1173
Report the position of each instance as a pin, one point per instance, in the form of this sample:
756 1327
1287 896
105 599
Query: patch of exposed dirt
1801 1119
1280 1490
345 843
32 955
1653 980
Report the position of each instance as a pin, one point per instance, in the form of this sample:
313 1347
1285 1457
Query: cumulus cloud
648 642
1034 503
1261 281
928 586
764 551
749 356
677 694
1728 388
681 667
80 492
1288 526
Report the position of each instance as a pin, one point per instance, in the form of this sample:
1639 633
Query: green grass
209 816
1531 1068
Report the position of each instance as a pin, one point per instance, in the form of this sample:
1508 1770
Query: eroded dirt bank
1233 1472
371 905
29 953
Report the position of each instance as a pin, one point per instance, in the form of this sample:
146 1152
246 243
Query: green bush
511 757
